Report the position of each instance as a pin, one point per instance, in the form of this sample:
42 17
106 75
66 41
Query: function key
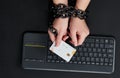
111 41
89 40
106 41
101 40
97 41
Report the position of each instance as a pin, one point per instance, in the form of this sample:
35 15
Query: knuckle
88 32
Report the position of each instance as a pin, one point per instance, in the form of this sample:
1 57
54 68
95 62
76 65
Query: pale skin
78 28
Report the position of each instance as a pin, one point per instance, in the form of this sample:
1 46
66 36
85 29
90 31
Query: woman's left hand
78 31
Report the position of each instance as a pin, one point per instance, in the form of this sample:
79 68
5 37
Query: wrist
82 4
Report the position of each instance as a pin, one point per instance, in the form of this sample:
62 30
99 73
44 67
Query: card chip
68 54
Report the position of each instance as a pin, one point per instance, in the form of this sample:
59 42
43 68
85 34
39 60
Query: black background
17 16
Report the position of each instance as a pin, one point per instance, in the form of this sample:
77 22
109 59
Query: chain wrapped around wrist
60 10
64 11
79 13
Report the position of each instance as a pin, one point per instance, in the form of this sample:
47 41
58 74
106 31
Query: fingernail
75 44
56 45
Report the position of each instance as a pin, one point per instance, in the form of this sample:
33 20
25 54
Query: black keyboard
94 51
95 55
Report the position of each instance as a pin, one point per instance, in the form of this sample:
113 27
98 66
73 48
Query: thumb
58 39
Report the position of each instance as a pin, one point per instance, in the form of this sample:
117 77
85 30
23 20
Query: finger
51 35
65 38
71 42
58 39
81 39
73 37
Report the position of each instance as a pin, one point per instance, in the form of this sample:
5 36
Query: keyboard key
84 49
98 50
109 46
88 59
80 49
101 40
92 59
109 50
111 41
94 49
104 55
89 49
78 58
101 64
110 55
89 40
97 59
101 59
83 62
106 60
90 54
83 59
97 63
111 60
86 54
97 45
87 45
53 61
106 41
100 54
81 53
88 62
49 57
101 45
110 64
92 45
97 40
95 54
103 50
105 64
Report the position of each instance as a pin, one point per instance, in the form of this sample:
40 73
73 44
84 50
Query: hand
78 31
60 24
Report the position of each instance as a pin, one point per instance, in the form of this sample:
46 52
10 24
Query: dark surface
17 16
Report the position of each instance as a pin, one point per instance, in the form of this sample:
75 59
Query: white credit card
64 50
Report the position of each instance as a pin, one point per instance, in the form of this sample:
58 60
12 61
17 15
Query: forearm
82 4
60 1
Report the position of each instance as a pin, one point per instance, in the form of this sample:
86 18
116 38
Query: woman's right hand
61 25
